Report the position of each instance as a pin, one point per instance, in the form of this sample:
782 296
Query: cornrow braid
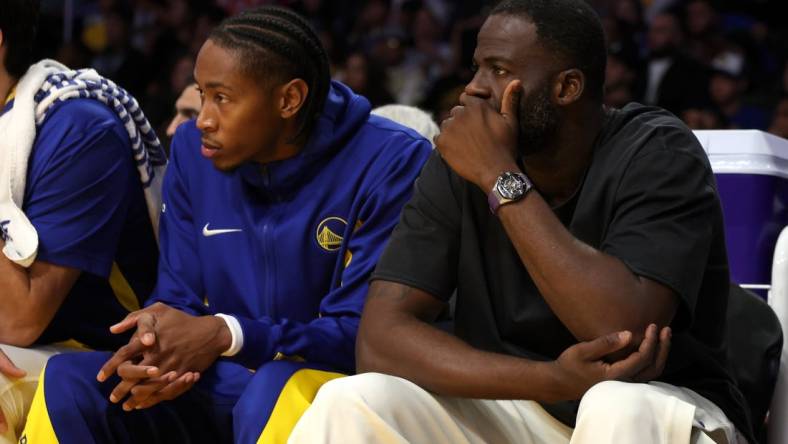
277 44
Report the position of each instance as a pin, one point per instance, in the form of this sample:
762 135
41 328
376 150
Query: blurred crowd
715 63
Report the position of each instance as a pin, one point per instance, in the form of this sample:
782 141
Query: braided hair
277 45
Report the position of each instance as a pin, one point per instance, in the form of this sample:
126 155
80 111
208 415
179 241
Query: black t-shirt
649 198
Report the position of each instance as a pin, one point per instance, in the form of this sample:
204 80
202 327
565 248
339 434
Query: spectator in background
119 60
366 78
619 80
704 37
187 107
704 119
672 80
726 89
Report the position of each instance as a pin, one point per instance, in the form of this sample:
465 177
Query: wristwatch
510 187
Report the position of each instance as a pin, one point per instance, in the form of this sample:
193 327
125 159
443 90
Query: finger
128 322
653 371
664 349
173 390
647 351
128 370
8 368
141 392
637 361
122 390
604 345
125 353
511 99
146 329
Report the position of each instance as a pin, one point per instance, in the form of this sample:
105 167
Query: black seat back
755 342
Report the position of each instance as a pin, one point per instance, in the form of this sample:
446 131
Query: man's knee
373 391
615 399
72 375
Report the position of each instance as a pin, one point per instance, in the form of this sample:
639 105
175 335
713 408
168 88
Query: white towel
46 83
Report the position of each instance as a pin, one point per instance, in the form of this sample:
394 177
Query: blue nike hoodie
287 249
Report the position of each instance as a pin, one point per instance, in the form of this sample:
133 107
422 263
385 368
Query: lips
208 150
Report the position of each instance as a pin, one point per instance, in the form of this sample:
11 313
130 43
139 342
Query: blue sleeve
76 194
179 283
330 339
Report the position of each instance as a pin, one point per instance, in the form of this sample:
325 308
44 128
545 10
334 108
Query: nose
206 122
478 88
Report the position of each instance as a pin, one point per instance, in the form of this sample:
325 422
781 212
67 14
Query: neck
284 146
558 169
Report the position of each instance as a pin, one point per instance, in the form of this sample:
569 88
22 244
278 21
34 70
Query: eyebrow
216 84
496 60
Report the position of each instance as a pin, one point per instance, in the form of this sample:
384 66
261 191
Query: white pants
16 394
376 408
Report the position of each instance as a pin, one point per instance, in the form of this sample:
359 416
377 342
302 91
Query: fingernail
148 338
624 335
113 398
100 376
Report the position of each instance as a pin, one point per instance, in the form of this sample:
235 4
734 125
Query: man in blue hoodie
277 203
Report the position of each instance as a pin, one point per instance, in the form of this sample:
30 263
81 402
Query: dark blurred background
714 63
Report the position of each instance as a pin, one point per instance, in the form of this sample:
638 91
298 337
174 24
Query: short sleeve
665 215
76 194
424 247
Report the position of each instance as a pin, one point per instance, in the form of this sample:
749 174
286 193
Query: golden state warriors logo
329 233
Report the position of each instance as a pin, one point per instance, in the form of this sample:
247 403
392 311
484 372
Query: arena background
726 59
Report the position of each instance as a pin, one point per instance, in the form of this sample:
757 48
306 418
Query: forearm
30 297
571 274
15 301
405 346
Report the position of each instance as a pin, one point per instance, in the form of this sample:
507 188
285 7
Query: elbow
369 357
364 358
20 333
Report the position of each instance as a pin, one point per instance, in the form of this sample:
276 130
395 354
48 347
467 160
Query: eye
498 71
474 67
220 98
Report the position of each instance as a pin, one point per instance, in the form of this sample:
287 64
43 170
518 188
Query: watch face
511 186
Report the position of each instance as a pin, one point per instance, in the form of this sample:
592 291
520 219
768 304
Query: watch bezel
502 185
495 198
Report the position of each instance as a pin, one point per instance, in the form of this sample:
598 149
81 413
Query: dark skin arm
395 337
479 142
30 298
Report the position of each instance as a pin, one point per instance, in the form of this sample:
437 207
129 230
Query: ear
569 86
292 97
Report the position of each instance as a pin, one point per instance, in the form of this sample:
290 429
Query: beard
539 120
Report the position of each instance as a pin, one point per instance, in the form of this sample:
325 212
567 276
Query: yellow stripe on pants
296 396
38 429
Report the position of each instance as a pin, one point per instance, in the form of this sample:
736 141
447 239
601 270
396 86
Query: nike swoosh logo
208 233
